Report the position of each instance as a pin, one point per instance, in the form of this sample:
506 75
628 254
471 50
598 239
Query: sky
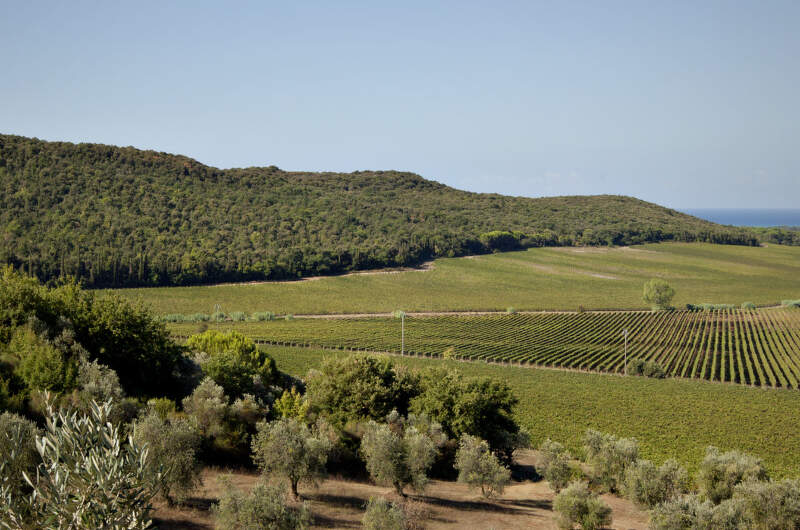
687 104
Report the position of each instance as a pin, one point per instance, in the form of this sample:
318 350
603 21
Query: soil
339 503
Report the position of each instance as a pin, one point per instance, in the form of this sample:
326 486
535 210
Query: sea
748 216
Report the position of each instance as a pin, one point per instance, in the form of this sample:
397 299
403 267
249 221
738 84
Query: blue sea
748 216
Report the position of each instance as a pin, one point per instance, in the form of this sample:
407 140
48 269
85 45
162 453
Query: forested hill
117 216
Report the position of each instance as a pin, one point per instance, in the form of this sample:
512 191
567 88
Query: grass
670 417
542 278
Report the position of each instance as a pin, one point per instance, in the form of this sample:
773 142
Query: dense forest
114 216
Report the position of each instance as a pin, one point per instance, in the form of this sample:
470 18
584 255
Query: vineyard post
625 334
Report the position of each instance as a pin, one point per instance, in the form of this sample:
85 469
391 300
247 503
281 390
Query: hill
117 216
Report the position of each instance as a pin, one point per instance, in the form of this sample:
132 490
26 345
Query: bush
264 508
262 316
39 364
18 455
383 515
577 505
398 454
175 317
646 369
721 472
749 306
218 316
199 317
289 449
609 457
238 316
478 467
208 406
658 294
686 512
553 464
790 303
292 404
163 407
511 311
648 485
89 474
234 362
172 445
288 317
769 504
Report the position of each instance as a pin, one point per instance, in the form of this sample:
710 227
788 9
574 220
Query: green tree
289 449
658 294
577 505
721 472
553 464
264 508
479 468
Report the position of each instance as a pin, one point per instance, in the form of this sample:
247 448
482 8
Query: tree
264 508
577 505
292 404
398 454
658 294
648 485
721 472
553 464
288 448
208 405
233 361
479 468
360 387
609 457
173 444
383 515
18 457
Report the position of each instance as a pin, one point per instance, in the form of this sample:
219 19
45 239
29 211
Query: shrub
234 362
686 512
398 454
199 317
658 294
646 369
478 467
172 444
609 457
511 311
218 316
721 472
289 449
208 406
383 515
18 455
288 317
749 306
292 404
262 316
264 508
163 407
89 474
39 364
648 485
238 316
790 303
577 505
175 317
553 464
769 504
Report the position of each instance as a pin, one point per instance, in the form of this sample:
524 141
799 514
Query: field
669 417
536 279
749 347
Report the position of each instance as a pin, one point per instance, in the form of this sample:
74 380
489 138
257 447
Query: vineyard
759 348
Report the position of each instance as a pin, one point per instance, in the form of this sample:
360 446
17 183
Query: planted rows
749 347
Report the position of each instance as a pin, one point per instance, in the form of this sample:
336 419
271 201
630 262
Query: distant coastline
748 216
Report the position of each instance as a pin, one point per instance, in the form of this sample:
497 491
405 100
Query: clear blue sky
689 104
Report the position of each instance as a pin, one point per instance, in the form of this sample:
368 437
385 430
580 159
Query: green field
750 347
535 279
669 417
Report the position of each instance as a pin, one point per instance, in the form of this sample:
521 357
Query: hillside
125 217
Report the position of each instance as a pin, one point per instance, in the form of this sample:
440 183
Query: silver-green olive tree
658 294
478 467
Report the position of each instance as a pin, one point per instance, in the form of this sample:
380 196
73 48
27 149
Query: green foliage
360 387
577 505
609 457
478 406
398 454
289 449
162 407
172 445
208 405
658 294
262 316
292 404
80 210
790 303
721 472
770 504
383 515
234 362
264 508
686 512
646 369
554 464
18 457
648 485
748 306
479 468
89 476
40 365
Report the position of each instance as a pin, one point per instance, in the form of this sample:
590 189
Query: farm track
757 348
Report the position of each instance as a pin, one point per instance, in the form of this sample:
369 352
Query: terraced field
759 348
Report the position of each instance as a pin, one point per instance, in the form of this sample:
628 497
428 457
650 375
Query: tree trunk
294 490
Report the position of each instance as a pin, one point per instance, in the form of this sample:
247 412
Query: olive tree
721 472
609 457
648 485
264 508
658 294
479 468
553 464
577 505
288 448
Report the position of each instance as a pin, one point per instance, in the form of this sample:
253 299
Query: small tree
577 505
648 485
288 448
398 454
658 294
292 404
609 457
769 504
18 456
383 515
264 508
173 444
721 472
685 512
208 406
553 464
478 467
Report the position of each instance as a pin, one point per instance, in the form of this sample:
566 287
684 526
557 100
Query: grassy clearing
670 417
543 278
